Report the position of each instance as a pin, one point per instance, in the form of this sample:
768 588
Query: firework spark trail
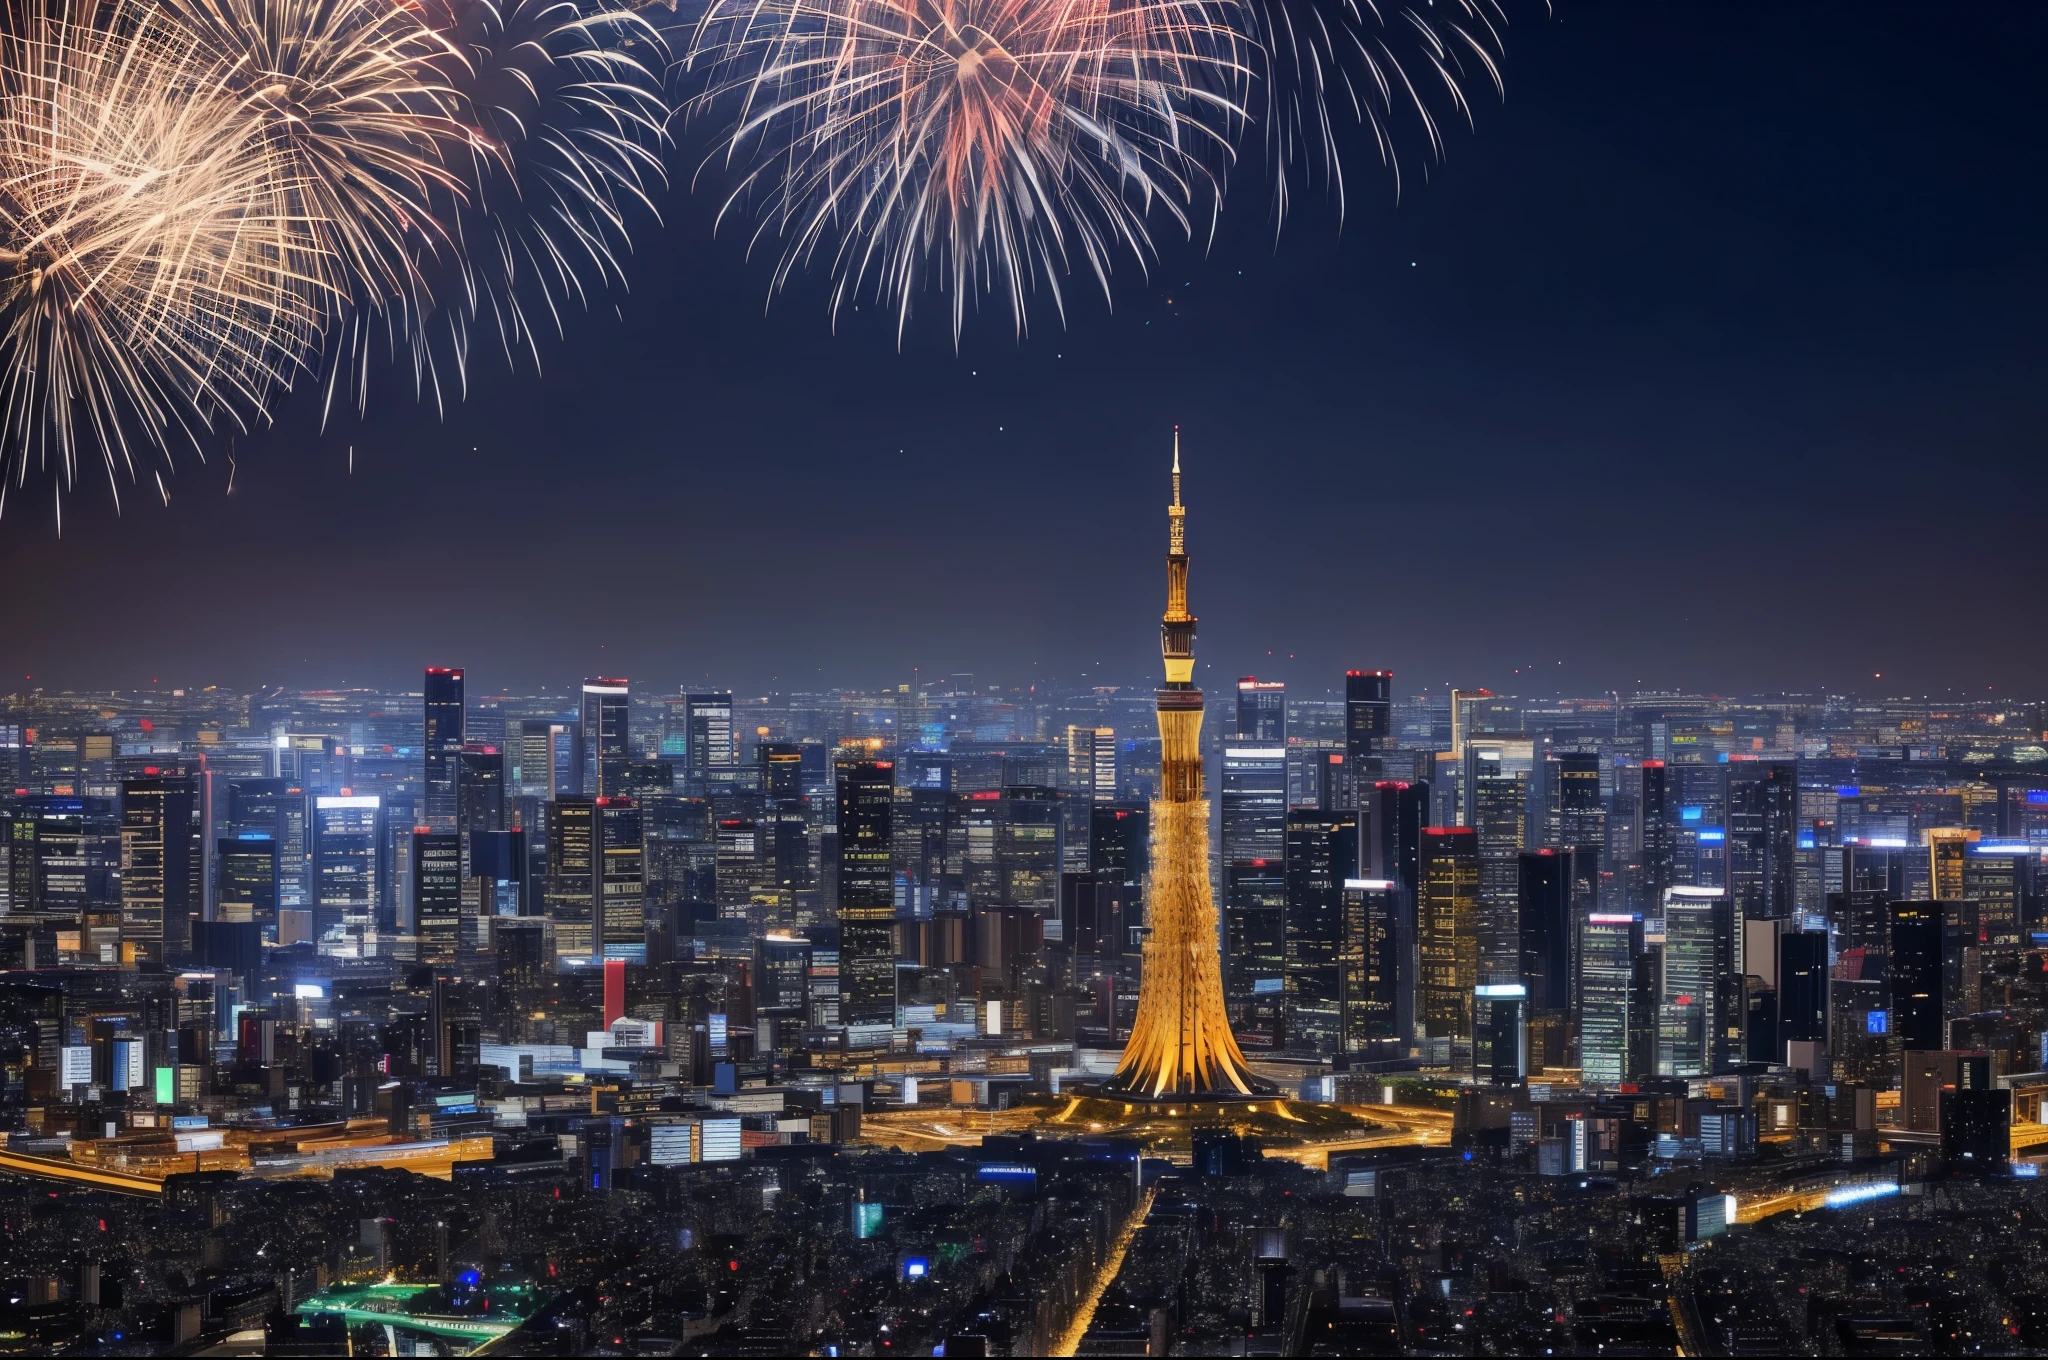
1320 57
148 258
568 120
353 96
988 142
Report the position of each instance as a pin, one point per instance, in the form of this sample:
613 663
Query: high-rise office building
1091 763
159 871
1374 977
607 716
1616 1017
785 829
1500 801
1545 907
1029 848
1699 826
1574 813
1917 1012
1261 711
436 894
1255 949
1697 947
1254 803
1322 854
1181 1043
479 792
278 809
714 741
571 892
443 738
2004 879
1447 933
867 896
1947 849
550 758
621 881
346 860
1654 817
1500 1033
1763 821
1368 721
245 881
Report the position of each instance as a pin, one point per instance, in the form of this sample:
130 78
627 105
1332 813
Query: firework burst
567 122
1320 58
353 97
983 143
149 259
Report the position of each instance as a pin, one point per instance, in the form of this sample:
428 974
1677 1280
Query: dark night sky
1713 358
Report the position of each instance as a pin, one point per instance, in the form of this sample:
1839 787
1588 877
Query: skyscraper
1612 1019
867 896
1181 1042
714 742
571 891
1654 826
1262 711
1573 813
1695 973
1947 848
277 809
1368 719
1446 933
1091 763
159 873
1254 802
1322 854
1763 819
607 713
621 927
1499 818
436 892
1917 1019
443 737
550 758
1546 920
346 860
1255 948
1374 982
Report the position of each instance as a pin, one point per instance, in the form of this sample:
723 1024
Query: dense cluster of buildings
1624 887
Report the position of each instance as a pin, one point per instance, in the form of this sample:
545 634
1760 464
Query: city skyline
618 783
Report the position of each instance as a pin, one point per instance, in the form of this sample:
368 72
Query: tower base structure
1181 1048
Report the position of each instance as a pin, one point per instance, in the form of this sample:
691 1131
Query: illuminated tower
1181 1044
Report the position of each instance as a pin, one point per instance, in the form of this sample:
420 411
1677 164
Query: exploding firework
986 143
567 121
148 253
1322 57
352 96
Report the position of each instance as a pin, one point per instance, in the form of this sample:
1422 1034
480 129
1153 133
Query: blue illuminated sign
1847 791
1713 836
1690 814
1877 1022
1007 1171
2037 795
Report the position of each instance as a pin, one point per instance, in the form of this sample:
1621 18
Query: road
75 1174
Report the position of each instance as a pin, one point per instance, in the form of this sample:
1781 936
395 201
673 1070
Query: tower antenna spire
1176 465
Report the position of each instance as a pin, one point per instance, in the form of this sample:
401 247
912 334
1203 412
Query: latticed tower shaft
1181 1044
